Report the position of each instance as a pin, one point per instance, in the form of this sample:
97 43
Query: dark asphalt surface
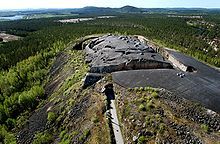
202 86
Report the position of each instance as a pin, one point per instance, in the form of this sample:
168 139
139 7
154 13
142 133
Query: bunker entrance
191 69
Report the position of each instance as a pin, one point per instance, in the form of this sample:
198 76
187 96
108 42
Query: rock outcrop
111 53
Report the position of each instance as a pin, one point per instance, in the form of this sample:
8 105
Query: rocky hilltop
125 89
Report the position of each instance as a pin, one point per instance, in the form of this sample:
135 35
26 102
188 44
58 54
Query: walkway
113 114
115 123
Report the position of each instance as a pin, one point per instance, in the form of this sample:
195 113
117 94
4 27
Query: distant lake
16 17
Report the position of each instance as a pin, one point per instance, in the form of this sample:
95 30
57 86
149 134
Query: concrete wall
175 62
167 55
132 65
171 58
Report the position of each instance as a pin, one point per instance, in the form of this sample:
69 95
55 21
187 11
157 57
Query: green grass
141 140
51 116
205 127
141 107
66 137
43 138
154 94
150 105
86 133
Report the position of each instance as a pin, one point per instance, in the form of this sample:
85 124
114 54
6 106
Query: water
16 17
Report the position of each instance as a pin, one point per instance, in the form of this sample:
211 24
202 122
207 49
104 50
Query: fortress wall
177 63
165 54
171 58
133 65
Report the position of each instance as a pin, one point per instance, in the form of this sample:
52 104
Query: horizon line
7 9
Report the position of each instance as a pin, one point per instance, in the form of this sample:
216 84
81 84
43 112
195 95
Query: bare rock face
111 53
116 53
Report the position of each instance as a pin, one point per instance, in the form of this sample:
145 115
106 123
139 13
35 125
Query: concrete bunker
111 53
191 69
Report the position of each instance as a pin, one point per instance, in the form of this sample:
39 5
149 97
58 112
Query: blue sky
20 4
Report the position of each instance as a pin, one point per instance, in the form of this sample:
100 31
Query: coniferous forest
25 63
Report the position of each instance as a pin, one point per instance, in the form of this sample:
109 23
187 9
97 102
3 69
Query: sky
24 4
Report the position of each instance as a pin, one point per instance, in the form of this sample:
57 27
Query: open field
37 16
8 37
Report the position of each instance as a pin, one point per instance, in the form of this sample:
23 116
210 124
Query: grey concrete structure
115 124
202 85
134 63
116 53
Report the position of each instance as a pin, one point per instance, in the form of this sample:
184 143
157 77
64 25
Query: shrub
205 127
145 88
149 89
162 127
5 136
141 140
150 105
136 89
155 94
10 123
65 137
141 107
51 116
158 117
3 132
43 138
141 100
95 119
141 88
65 142
62 134
2 114
85 135
147 120
9 139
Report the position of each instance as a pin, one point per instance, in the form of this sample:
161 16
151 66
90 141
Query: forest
25 63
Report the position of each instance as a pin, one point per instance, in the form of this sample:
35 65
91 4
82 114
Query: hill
80 111
100 81
102 10
130 9
106 11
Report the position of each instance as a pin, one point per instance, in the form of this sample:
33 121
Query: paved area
202 86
